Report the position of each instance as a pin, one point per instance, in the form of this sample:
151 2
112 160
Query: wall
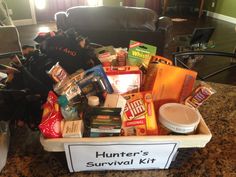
224 7
20 8
139 3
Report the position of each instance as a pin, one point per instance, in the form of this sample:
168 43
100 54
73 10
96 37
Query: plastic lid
179 118
93 101
62 101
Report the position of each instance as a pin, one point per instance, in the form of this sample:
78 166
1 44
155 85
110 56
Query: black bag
72 51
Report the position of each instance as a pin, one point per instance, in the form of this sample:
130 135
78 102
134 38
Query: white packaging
115 101
179 118
73 129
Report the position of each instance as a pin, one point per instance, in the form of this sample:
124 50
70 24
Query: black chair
177 59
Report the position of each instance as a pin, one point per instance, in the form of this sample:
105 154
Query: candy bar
199 95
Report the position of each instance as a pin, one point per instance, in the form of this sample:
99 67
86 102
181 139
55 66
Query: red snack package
50 125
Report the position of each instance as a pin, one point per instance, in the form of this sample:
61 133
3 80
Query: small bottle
68 112
93 101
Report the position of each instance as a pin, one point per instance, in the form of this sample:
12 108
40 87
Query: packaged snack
169 83
158 59
140 53
139 116
73 129
125 79
121 57
50 125
199 95
57 73
106 54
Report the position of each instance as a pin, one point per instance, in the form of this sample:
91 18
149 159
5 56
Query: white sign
119 156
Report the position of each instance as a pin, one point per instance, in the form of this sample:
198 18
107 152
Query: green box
140 53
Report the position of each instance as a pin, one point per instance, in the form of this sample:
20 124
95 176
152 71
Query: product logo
134 109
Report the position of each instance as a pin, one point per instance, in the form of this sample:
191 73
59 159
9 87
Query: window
40 4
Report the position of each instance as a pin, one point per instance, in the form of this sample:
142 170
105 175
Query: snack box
125 79
139 115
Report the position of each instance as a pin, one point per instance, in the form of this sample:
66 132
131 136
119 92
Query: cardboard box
115 101
74 128
139 116
169 83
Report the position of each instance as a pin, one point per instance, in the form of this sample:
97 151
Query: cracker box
139 116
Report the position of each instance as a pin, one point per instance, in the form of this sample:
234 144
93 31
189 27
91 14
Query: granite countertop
27 158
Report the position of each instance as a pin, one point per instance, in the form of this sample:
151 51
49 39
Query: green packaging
140 53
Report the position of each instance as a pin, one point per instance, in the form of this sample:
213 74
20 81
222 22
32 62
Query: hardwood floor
224 38
29 32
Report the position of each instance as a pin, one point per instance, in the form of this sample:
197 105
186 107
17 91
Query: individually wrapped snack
57 73
50 125
105 54
139 118
121 57
199 95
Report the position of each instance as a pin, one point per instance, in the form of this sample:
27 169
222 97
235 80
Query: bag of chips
50 125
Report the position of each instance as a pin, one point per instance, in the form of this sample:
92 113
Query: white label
119 156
